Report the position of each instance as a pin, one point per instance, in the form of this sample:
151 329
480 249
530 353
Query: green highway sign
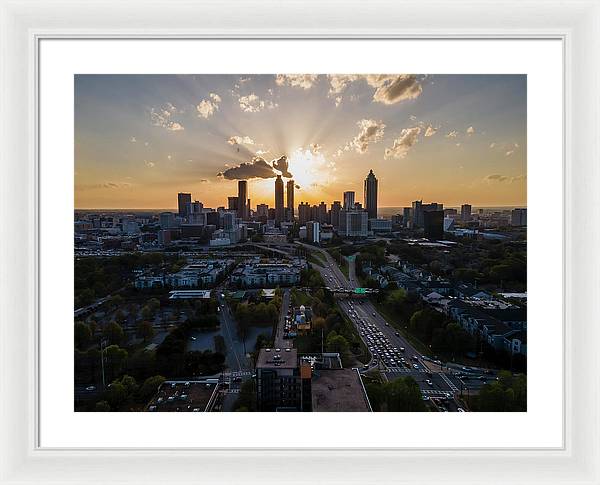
360 291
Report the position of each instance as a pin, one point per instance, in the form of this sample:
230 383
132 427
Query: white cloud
339 82
304 81
470 130
492 145
408 137
240 140
452 134
208 107
371 131
412 118
509 153
253 104
458 144
162 117
133 139
149 164
395 89
496 177
430 131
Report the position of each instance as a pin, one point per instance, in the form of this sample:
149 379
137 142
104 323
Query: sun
310 168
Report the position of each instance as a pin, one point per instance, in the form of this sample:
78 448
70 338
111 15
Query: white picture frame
24 23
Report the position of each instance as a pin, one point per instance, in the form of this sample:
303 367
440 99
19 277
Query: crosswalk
404 370
451 384
434 393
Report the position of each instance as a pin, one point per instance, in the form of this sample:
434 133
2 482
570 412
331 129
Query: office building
354 223
262 212
418 210
279 210
370 195
242 208
518 217
322 213
380 225
183 202
304 212
334 213
166 220
433 224
465 212
406 216
232 203
313 232
348 200
290 200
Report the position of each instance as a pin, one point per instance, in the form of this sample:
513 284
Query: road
235 361
279 341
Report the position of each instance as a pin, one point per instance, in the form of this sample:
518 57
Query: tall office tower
195 213
262 213
334 213
370 195
229 221
314 213
166 220
242 210
433 223
406 216
313 232
279 212
290 199
232 203
465 212
518 217
322 213
354 223
183 202
303 212
417 213
348 200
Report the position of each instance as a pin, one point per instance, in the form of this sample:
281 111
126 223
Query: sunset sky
453 139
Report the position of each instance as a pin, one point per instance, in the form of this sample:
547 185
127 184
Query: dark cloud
397 89
257 168
496 177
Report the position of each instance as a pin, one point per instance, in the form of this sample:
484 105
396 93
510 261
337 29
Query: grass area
316 258
399 325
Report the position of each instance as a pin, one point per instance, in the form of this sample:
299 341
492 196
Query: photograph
300 243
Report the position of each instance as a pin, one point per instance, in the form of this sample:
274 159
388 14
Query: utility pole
102 363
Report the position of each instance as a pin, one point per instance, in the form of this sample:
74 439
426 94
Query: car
396 334
373 313
425 398
402 349
466 369
415 366
429 382
460 410
90 388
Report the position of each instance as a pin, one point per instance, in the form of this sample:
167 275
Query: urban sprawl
344 306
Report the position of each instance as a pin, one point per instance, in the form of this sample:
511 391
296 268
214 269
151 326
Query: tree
130 384
115 358
337 343
114 333
83 335
151 386
102 406
318 323
147 312
116 394
146 331
120 317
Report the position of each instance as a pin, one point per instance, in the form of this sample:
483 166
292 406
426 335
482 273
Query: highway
279 341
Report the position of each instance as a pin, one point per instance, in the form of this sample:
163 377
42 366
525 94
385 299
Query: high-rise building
322 213
465 212
313 232
334 213
228 221
418 209
279 211
348 200
242 208
166 220
406 216
303 212
262 212
518 217
370 195
290 200
433 224
183 202
232 203
354 223
195 213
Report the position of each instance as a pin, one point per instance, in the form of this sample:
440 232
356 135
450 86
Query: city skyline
453 139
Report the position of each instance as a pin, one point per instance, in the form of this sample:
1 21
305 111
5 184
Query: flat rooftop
276 358
179 396
338 390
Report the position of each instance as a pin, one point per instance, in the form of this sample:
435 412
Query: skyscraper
303 212
242 199
465 212
183 201
279 212
290 199
232 203
334 213
433 223
348 200
370 195
322 213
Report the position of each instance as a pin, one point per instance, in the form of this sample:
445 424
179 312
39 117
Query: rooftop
338 390
277 359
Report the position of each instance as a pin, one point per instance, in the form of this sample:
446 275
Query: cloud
496 177
162 117
208 107
253 104
315 148
458 144
304 81
395 89
240 140
257 168
371 131
204 181
509 153
492 145
430 131
262 152
133 139
452 134
149 164
470 130
408 137
518 178
105 185
281 164
412 118
339 82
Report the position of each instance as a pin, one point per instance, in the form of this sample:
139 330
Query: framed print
346 244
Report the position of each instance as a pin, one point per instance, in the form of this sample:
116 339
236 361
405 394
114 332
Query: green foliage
146 331
220 344
400 395
83 335
102 407
508 394
116 394
113 332
150 387
246 400
311 278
